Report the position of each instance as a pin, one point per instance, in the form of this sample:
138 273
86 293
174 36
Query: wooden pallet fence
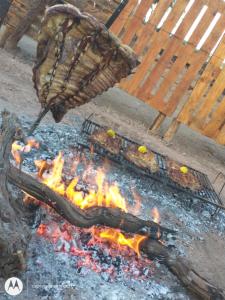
166 35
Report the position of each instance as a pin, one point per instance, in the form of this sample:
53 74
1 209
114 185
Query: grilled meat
108 141
77 59
143 160
184 179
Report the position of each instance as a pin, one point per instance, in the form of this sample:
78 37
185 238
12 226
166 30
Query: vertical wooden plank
214 126
158 41
136 21
171 131
210 73
181 32
197 60
185 55
157 123
208 103
220 138
123 17
145 36
144 32
212 96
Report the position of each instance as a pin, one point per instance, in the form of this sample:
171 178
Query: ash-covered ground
54 274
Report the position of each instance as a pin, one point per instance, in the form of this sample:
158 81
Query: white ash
52 275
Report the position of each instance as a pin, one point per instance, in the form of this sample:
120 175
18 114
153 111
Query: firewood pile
77 59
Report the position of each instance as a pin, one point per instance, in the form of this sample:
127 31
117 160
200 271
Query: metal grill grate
207 194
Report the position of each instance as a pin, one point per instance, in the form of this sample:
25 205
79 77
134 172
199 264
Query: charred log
111 217
181 268
14 232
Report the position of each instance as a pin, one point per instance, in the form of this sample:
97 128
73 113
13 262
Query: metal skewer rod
41 115
108 25
116 13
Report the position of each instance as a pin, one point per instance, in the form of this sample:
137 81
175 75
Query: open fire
112 253
89 244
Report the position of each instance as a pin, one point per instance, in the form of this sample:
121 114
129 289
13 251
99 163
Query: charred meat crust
112 144
77 59
187 180
143 160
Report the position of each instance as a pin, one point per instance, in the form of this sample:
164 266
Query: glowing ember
156 219
17 149
42 229
96 253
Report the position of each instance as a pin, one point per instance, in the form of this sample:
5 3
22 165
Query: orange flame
105 195
117 237
54 179
17 149
108 196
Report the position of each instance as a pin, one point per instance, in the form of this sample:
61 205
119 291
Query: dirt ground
131 117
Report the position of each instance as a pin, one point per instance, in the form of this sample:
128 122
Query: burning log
111 217
15 233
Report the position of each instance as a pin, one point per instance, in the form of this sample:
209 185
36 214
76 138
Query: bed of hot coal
65 262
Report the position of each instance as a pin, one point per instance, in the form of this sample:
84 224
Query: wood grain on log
182 268
14 233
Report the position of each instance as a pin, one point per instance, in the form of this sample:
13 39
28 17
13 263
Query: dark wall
4 6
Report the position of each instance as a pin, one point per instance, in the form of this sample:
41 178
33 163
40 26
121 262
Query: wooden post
17 24
157 123
4 35
171 131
